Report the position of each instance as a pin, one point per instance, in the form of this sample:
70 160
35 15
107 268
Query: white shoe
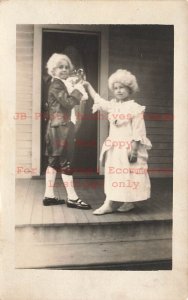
104 209
126 207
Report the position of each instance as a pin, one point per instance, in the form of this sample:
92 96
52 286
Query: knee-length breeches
60 146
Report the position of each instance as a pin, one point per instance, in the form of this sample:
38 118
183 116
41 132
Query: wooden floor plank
47 215
162 203
37 212
92 219
148 211
131 216
59 217
163 208
89 213
79 215
69 216
29 202
21 190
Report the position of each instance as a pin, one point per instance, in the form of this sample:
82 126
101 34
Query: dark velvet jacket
60 129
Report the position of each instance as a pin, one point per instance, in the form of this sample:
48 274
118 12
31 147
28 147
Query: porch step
76 255
86 245
86 233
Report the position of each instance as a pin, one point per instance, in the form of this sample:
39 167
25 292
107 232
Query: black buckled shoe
78 204
52 201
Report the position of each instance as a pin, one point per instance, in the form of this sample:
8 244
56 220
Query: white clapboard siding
24 86
20 128
23 145
27 121
23 135
23 152
23 101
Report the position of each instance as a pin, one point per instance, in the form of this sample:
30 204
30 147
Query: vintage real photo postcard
94 150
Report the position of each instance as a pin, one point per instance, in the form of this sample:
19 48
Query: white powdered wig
124 77
54 61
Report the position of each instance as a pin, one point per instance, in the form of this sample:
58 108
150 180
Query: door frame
37 71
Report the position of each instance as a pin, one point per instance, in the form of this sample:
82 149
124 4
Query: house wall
147 54
24 96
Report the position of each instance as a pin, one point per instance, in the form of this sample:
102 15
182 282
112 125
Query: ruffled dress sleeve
100 103
138 126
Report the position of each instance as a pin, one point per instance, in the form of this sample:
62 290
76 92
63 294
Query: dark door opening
83 50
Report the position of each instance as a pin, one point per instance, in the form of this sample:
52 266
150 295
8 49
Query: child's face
121 92
62 70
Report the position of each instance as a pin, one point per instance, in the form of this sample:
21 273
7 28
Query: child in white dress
124 152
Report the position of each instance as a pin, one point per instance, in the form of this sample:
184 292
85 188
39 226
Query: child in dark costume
60 134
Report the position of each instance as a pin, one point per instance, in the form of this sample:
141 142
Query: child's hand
85 84
118 123
82 90
133 156
134 151
90 90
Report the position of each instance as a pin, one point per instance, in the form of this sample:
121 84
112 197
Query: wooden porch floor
57 236
30 211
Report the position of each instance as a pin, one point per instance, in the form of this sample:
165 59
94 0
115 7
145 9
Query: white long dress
124 181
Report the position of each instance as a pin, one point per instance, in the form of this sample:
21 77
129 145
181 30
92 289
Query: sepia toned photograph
94 147
93 137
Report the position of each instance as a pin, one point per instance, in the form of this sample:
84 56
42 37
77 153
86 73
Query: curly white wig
54 61
124 77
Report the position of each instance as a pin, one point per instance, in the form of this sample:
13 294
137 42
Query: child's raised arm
89 89
99 103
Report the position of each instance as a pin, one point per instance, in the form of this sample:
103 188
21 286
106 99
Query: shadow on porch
65 238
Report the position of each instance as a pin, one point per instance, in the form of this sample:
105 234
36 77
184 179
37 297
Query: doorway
83 48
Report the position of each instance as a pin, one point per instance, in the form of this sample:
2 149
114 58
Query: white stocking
69 186
50 181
